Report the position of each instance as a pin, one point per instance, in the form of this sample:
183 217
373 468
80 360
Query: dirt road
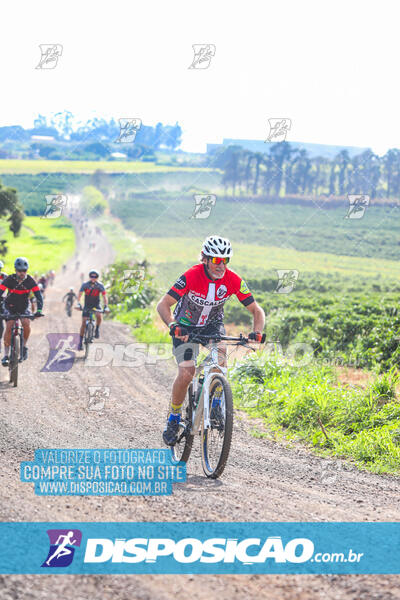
264 481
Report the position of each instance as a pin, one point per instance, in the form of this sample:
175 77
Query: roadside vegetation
309 404
47 244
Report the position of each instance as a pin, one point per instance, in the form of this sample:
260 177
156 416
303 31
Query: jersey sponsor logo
243 288
188 314
221 291
203 302
185 321
180 284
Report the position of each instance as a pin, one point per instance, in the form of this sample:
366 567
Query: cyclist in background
2 277
43 280
19 285
70 296
201 293
92 290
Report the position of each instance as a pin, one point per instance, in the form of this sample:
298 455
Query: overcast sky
329 66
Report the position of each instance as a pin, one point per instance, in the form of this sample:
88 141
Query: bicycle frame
209 364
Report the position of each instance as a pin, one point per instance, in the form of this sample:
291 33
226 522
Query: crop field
84 166
288 226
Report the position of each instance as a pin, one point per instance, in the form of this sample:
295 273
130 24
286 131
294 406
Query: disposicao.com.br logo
205 548
213 550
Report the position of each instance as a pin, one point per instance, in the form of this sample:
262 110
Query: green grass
123 242
309 404
47 244
82 166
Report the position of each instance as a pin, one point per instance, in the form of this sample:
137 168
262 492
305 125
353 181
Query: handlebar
240 340
14 317
99 310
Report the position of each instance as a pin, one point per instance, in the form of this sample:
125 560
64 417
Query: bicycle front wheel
88 337
14 361
216 439
183 447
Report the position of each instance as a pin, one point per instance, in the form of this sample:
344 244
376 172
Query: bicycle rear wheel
183 447
216 440
14 361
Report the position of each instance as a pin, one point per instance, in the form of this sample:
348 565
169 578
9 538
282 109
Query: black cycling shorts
190 350
8 312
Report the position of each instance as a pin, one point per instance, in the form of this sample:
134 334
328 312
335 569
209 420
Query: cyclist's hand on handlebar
179 332
78 306
106 309
257 336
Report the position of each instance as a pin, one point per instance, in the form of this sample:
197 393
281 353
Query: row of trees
63 126
283 169
10 209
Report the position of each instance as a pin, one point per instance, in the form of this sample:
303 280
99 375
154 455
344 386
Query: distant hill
313 150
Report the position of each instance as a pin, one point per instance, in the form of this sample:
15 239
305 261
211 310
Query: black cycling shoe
217 418
25 353
5 361
170 433
80 347
96 333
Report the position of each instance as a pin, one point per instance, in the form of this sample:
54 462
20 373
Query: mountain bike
17 344
90 324
208 409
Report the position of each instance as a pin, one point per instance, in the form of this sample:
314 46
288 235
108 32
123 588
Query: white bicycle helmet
217 246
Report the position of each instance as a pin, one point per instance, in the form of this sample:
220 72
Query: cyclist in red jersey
2 277
200 294
18 286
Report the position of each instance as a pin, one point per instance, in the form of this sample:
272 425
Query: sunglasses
216 260
93 276
21 270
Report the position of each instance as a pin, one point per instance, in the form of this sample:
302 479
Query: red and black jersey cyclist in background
2 277
201 293
92 290
19 286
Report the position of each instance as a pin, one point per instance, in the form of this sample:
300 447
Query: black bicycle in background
68 306
90 325
17 343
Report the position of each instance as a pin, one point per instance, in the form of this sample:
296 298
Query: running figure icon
62 351
62 549
64 348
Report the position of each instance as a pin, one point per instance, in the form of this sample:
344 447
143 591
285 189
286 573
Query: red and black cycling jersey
17 299
201 299
92 293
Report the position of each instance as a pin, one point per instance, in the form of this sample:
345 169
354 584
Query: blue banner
214 548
